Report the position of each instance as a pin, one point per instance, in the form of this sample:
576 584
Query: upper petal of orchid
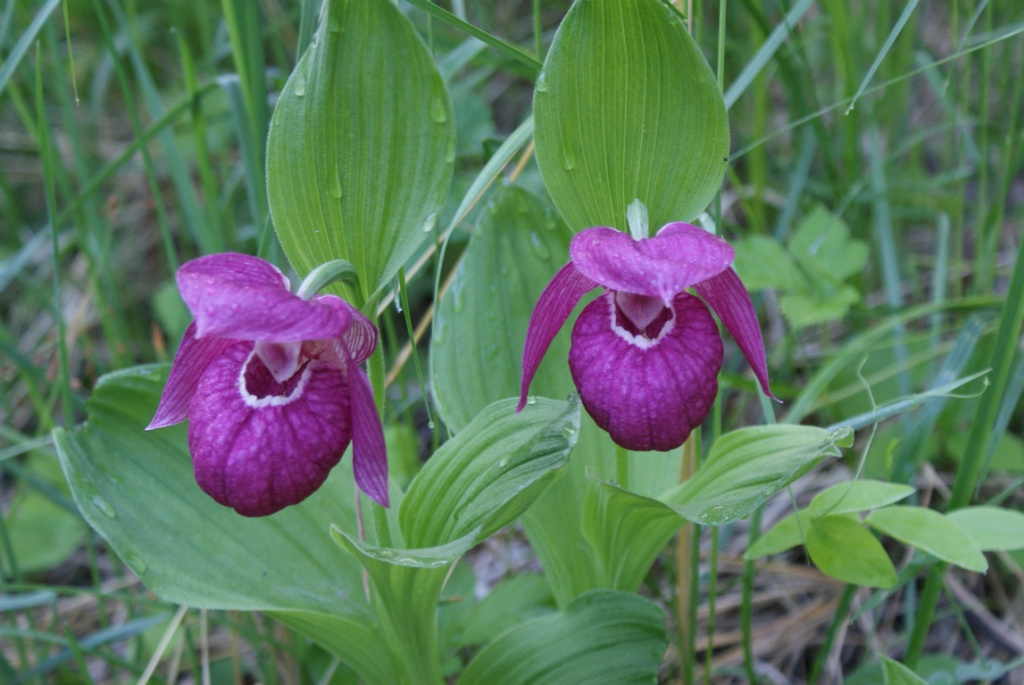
649 394
245 298
258 445
369 453
555 305
725 294
679 256
193 356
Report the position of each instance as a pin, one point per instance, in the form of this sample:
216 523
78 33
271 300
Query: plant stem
622 467
684 565
712 595
981 428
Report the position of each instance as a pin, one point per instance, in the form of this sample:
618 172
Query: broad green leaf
480 325
749 465
627 532
763 263
786 534
627 108
858 495
845 550
816 307
991 528
823 247
931 532
602 637
558 523
406 585
896 673
361 144
490 473
41 533
515 600
137 490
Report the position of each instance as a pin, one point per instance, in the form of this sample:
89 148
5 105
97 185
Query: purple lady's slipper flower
645 355
271 386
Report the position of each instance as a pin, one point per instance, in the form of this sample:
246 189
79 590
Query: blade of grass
25 41
46 153
981 430
765 54
896 30
506 48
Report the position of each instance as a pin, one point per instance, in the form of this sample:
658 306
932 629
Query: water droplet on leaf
335 189
430 222
568 158
135 563
542 82
104 506
300 85
438 112
539 248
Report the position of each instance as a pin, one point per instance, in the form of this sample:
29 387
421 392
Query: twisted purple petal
369 453
725 294
245 298
679 256
648 394
555 305
193 356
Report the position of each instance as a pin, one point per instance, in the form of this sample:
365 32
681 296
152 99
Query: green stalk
622 467
981 427
712 596
46 153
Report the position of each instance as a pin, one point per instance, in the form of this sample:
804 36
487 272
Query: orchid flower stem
712 595
378 514
403 293
622 467
684 566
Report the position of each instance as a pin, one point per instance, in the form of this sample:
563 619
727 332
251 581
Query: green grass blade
27 38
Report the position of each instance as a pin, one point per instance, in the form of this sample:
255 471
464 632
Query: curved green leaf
991 528
627 532
603 637
858 495
361 144
845 550
487 475
749 465
406 586
896 673
931 532
137 490
480 325
627 108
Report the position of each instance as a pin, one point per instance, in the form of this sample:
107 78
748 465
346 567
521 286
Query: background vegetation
132 138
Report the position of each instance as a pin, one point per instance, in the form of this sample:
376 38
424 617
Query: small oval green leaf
931 532
991 528
627 108
859 495
359 153
844 549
